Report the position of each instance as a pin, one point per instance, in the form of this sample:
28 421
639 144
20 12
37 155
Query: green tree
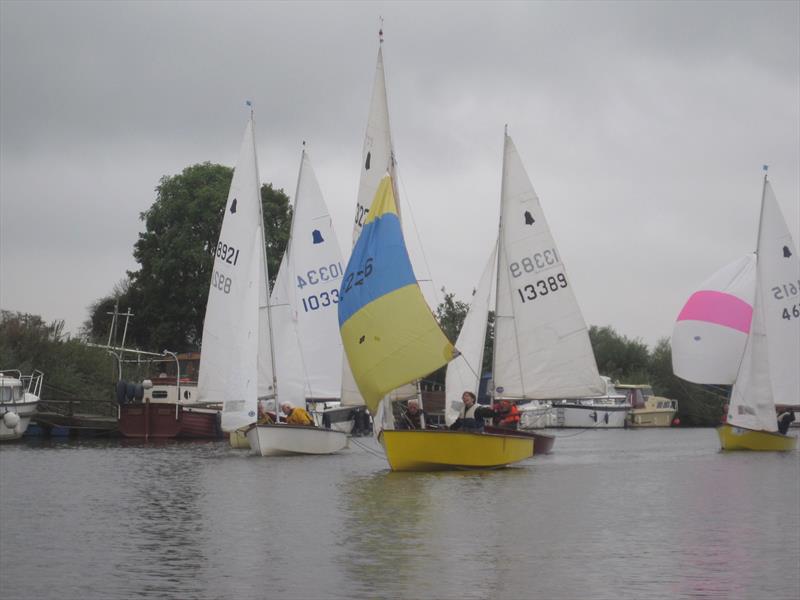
168 293
72 370
697 405
621 359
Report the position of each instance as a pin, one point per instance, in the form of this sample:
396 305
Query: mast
761 212
500 250
264 257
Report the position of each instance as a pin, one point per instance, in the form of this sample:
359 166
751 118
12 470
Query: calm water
610 514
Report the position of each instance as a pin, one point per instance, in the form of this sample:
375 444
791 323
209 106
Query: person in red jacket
506 415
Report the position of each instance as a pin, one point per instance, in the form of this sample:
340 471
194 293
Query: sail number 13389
543 287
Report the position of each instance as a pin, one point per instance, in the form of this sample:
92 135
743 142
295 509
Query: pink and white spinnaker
711 330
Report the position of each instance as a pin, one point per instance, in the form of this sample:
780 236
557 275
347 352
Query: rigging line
419 240
366 448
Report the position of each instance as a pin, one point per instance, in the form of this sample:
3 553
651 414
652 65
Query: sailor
506 415
784 420
296 415
412 416
470 417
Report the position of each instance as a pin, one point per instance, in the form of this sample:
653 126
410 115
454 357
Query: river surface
609 514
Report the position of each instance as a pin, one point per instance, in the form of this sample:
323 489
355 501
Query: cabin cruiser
647 409
19 398
607 411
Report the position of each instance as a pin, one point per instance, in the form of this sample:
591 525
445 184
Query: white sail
464 372
308 346
711 330
229 364
769 373
542 347
377 158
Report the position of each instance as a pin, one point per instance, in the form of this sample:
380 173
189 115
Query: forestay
769 373
711 330
232 361
542 347
464 372
308 347
389 334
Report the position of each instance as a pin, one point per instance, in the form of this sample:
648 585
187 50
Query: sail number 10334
543 287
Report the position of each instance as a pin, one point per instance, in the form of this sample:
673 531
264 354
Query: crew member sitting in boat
506 415
296 415
412 417
470 417
785 419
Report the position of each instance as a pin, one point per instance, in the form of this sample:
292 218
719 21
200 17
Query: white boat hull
288 440
590 416
24 410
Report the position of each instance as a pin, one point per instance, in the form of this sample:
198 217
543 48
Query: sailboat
377 159
306 341
766 374
391 338
541 343
237 365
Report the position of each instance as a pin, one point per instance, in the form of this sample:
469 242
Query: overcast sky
643 127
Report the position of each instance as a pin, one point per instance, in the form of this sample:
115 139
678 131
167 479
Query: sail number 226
542 287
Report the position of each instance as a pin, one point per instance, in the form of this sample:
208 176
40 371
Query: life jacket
510 418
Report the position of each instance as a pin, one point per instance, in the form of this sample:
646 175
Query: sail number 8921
542 287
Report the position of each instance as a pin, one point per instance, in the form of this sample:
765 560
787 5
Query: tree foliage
168 293
621 359
72 370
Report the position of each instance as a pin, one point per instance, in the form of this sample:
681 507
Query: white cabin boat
607 411
19 399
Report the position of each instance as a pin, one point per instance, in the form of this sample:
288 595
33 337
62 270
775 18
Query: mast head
380 31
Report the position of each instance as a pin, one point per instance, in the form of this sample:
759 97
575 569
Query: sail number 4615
542 287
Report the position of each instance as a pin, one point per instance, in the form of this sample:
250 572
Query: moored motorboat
19 399
442 449
647 409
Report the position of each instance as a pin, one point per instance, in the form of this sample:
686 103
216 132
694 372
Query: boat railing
32 384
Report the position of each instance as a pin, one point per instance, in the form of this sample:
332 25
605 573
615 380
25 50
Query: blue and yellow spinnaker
388 331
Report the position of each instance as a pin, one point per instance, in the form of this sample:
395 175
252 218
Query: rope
367 449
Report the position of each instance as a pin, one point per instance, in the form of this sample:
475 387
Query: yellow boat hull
442 450
736 438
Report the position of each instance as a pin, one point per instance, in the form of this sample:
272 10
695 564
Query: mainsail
542 347
233 365
711 330
769 373
389 334
308 348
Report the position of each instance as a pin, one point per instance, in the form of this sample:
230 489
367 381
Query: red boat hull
160 421
542 442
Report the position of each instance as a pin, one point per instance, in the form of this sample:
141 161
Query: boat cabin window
12 393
